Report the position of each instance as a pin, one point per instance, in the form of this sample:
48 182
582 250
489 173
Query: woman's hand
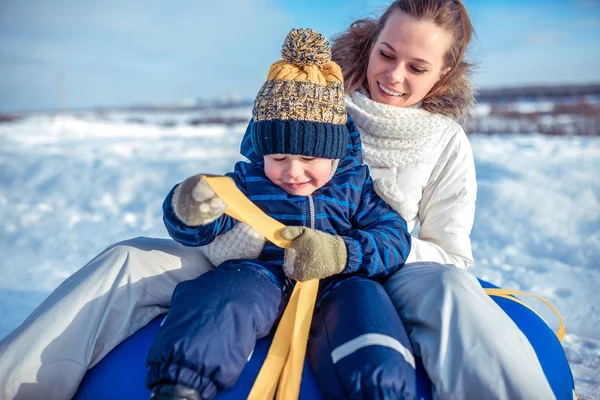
195 203
313 254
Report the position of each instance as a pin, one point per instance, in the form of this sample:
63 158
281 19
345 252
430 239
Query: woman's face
406 60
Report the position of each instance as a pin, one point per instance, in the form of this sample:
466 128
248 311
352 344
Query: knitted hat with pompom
300 108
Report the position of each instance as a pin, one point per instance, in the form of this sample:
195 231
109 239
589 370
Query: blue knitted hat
300 108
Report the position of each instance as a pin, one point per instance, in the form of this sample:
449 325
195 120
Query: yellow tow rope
281 372
285 360
510 295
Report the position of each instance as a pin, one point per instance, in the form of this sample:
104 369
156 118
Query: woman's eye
418 70
279 159
384 54
308 158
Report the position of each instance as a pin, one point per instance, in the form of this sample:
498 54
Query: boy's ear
334 165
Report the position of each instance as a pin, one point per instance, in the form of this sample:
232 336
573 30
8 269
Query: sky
71 186
82 54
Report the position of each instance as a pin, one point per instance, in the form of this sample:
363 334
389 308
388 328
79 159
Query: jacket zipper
311 211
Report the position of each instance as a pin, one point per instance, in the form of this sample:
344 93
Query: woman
407 85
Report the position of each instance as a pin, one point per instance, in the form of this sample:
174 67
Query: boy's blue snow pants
358 347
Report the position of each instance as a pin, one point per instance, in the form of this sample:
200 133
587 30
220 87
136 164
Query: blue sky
117 52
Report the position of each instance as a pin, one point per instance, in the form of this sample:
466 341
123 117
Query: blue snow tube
121 374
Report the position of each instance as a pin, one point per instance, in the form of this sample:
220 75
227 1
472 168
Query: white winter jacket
436 196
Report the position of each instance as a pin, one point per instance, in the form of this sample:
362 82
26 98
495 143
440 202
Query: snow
72 185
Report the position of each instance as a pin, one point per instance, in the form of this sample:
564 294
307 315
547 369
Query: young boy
306 171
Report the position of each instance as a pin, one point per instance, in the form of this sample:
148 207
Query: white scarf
393 136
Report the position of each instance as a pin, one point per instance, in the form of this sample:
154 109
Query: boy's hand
313 254
195 203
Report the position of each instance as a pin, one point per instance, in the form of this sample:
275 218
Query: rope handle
281 371
510 295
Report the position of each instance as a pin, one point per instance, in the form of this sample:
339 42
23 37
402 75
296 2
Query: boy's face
298 175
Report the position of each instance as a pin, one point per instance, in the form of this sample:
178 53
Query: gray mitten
195 203
313 254
243 241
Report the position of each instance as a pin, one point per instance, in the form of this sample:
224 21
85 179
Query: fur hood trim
455 102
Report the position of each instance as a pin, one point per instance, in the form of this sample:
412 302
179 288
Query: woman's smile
389 92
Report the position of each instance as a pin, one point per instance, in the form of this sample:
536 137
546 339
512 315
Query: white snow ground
69 187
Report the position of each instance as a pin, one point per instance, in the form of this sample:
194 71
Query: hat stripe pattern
279 99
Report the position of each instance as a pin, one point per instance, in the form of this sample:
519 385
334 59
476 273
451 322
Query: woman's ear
444 72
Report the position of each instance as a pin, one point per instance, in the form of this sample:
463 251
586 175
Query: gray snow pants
469 346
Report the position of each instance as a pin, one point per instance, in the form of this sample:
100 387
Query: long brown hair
452 95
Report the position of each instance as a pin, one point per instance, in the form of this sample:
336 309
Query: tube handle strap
510 295
281 371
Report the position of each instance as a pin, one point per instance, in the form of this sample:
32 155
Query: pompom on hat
300 108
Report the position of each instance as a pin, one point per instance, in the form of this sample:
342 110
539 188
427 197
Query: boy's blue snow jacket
376 236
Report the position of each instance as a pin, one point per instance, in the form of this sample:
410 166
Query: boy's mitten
195 203
243 241
313 254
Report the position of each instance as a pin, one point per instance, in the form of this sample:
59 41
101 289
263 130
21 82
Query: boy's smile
298 175
296 186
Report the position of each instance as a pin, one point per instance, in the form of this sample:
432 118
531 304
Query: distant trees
559 116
